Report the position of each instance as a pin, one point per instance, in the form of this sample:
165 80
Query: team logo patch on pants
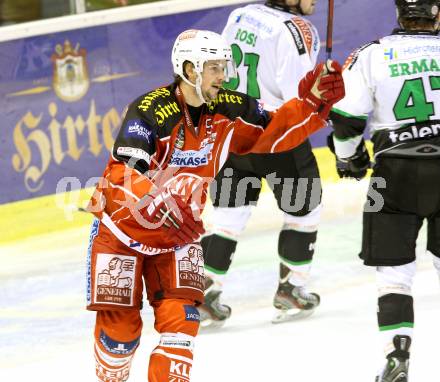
190 267
115 279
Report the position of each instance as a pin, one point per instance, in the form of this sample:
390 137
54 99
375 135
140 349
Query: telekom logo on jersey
414 132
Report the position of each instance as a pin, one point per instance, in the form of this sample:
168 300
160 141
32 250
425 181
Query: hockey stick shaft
329 41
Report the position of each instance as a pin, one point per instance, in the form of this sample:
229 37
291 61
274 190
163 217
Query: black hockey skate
293 302
396 368
213 314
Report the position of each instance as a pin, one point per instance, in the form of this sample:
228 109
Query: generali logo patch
190 267
115 276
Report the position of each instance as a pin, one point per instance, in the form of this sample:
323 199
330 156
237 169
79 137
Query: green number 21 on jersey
250 60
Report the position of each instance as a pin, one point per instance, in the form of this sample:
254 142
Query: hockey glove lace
322 87
355 166
172 212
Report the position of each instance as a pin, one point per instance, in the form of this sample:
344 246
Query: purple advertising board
62 94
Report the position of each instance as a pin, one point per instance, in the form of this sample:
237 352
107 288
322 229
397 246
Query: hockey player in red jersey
171 144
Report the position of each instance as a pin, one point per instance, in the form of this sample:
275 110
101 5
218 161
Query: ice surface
46 334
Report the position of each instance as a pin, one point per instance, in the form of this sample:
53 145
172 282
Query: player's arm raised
293 122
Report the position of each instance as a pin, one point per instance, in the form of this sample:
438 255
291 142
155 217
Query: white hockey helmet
199 46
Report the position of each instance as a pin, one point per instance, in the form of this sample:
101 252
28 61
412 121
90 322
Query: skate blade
210 325
291 315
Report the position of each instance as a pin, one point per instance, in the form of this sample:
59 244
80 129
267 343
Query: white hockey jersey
273 50
395 83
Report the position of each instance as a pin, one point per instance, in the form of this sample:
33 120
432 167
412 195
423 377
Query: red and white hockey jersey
157 148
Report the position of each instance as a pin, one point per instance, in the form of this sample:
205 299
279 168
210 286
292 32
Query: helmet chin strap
197 86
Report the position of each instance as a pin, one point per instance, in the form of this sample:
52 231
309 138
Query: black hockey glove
355 166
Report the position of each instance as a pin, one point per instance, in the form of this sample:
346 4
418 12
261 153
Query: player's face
213 76
307 6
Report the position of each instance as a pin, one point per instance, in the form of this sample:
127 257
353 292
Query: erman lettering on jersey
414 67
296 34
191 158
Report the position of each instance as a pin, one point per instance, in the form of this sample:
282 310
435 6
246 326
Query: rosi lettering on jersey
191 158
246 37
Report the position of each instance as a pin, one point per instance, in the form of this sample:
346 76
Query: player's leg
433 245
174 285
236 189
388 243
296 245
177 321
395 318
115 293
436 262
117 336
219 247
297 188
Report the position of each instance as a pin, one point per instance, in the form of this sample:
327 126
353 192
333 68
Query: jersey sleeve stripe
294 127
250 124
345 114
224 151
297 37
123 189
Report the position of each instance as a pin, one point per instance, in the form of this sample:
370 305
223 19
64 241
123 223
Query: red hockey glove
170 211
322 87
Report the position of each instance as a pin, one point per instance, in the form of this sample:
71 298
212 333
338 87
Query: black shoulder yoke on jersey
155 114
232 105
160 107
355 54
149 117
